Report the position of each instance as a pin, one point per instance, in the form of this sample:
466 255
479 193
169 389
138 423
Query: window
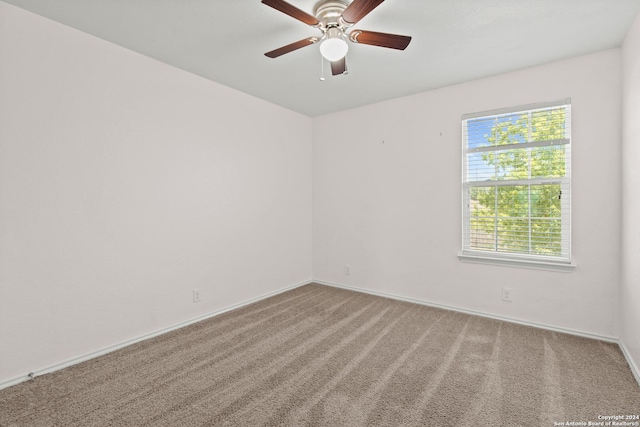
517 184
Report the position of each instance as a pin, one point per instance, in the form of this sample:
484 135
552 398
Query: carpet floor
322 356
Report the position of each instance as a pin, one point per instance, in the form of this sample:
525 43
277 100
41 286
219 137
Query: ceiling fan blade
291 47
393 41
358 10
292 11
339 67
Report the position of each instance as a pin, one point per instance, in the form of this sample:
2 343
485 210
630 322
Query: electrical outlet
197 296
506 294
347 269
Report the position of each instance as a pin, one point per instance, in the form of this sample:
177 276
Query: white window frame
468 254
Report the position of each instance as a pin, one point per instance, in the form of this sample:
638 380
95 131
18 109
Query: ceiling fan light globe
334 49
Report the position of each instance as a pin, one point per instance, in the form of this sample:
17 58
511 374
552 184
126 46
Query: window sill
518 263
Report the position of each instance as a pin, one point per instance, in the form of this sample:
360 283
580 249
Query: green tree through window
516 180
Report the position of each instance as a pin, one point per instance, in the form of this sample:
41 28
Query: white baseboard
70 362
632 364
475 313
101 352
635 370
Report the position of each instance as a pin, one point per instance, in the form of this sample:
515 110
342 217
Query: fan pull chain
321 68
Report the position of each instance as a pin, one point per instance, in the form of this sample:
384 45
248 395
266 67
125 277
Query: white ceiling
453 41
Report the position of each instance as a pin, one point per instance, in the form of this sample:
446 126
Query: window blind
517 183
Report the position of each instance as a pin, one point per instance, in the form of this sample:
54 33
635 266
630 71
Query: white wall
387 197
630 293
126 183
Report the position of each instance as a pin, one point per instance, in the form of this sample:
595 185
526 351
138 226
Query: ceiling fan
333 18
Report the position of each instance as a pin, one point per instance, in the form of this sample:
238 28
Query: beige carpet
329 357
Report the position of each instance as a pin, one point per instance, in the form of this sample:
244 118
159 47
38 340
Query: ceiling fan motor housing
329 12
